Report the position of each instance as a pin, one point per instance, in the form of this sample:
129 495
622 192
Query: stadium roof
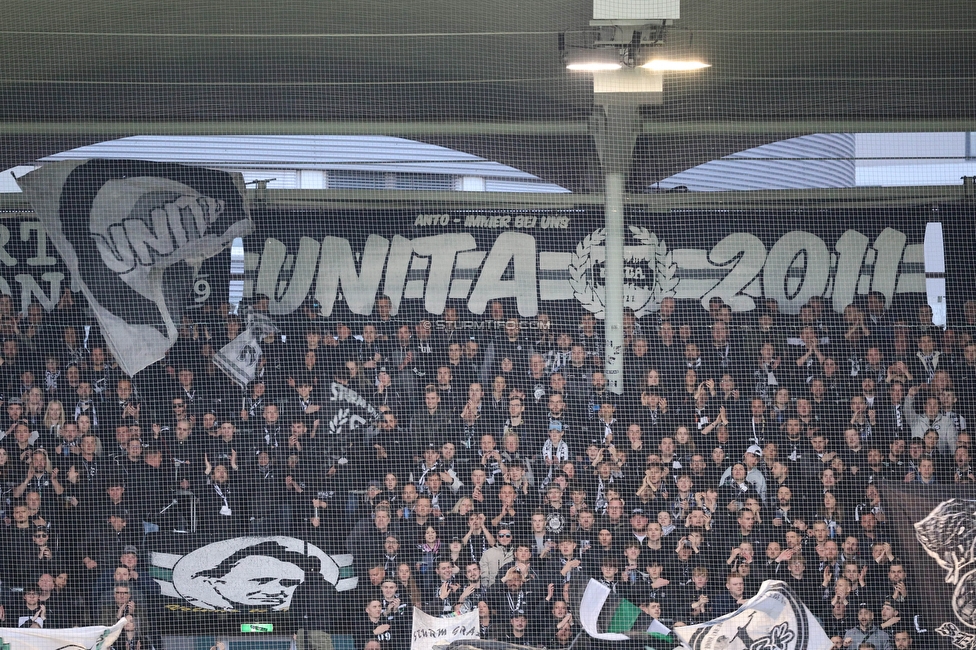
290 162
483 78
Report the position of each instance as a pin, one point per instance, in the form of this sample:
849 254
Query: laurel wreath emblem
338 421
642 299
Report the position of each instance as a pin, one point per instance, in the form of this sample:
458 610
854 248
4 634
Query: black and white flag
935 534
133 234
773 619
240 358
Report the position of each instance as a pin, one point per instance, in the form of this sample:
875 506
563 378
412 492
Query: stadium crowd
499 473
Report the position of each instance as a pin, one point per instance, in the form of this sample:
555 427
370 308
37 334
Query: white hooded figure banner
773 619
132 234
95 637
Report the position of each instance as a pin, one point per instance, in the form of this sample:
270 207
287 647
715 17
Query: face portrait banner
133 235
934 528
246 574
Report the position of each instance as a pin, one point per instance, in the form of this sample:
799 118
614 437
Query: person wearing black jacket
266 493
152 487
384 447
108 542
221 508
737 489
224 448
84 472
27 612
315 609
510 595
372 625
61 609
434 423
186 453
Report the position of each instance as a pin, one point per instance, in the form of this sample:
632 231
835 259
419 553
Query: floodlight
592 59
673 65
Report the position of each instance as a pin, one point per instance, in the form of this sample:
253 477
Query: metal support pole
614 302
614 126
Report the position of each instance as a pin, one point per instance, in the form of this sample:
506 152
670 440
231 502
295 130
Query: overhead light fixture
592 59
671 56
594 66
614 48
671 65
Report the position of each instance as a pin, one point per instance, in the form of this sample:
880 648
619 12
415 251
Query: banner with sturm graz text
431 632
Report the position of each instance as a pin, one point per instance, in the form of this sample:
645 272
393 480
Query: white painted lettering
337 267
29 289
41 257
6 257
285 296
442 249
517 249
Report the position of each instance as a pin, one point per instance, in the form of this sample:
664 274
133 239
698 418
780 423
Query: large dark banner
552 260
935 532
30 268
32 271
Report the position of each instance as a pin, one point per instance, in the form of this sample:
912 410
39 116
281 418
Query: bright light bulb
593 66
665 65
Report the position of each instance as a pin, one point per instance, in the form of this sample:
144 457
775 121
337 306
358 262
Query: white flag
433 631
133 235
96 637
773 619
600 604
239 359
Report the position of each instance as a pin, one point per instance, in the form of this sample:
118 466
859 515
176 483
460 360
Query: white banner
773 619
96 637
239 359
432 631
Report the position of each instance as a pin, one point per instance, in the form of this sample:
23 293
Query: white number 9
202 289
